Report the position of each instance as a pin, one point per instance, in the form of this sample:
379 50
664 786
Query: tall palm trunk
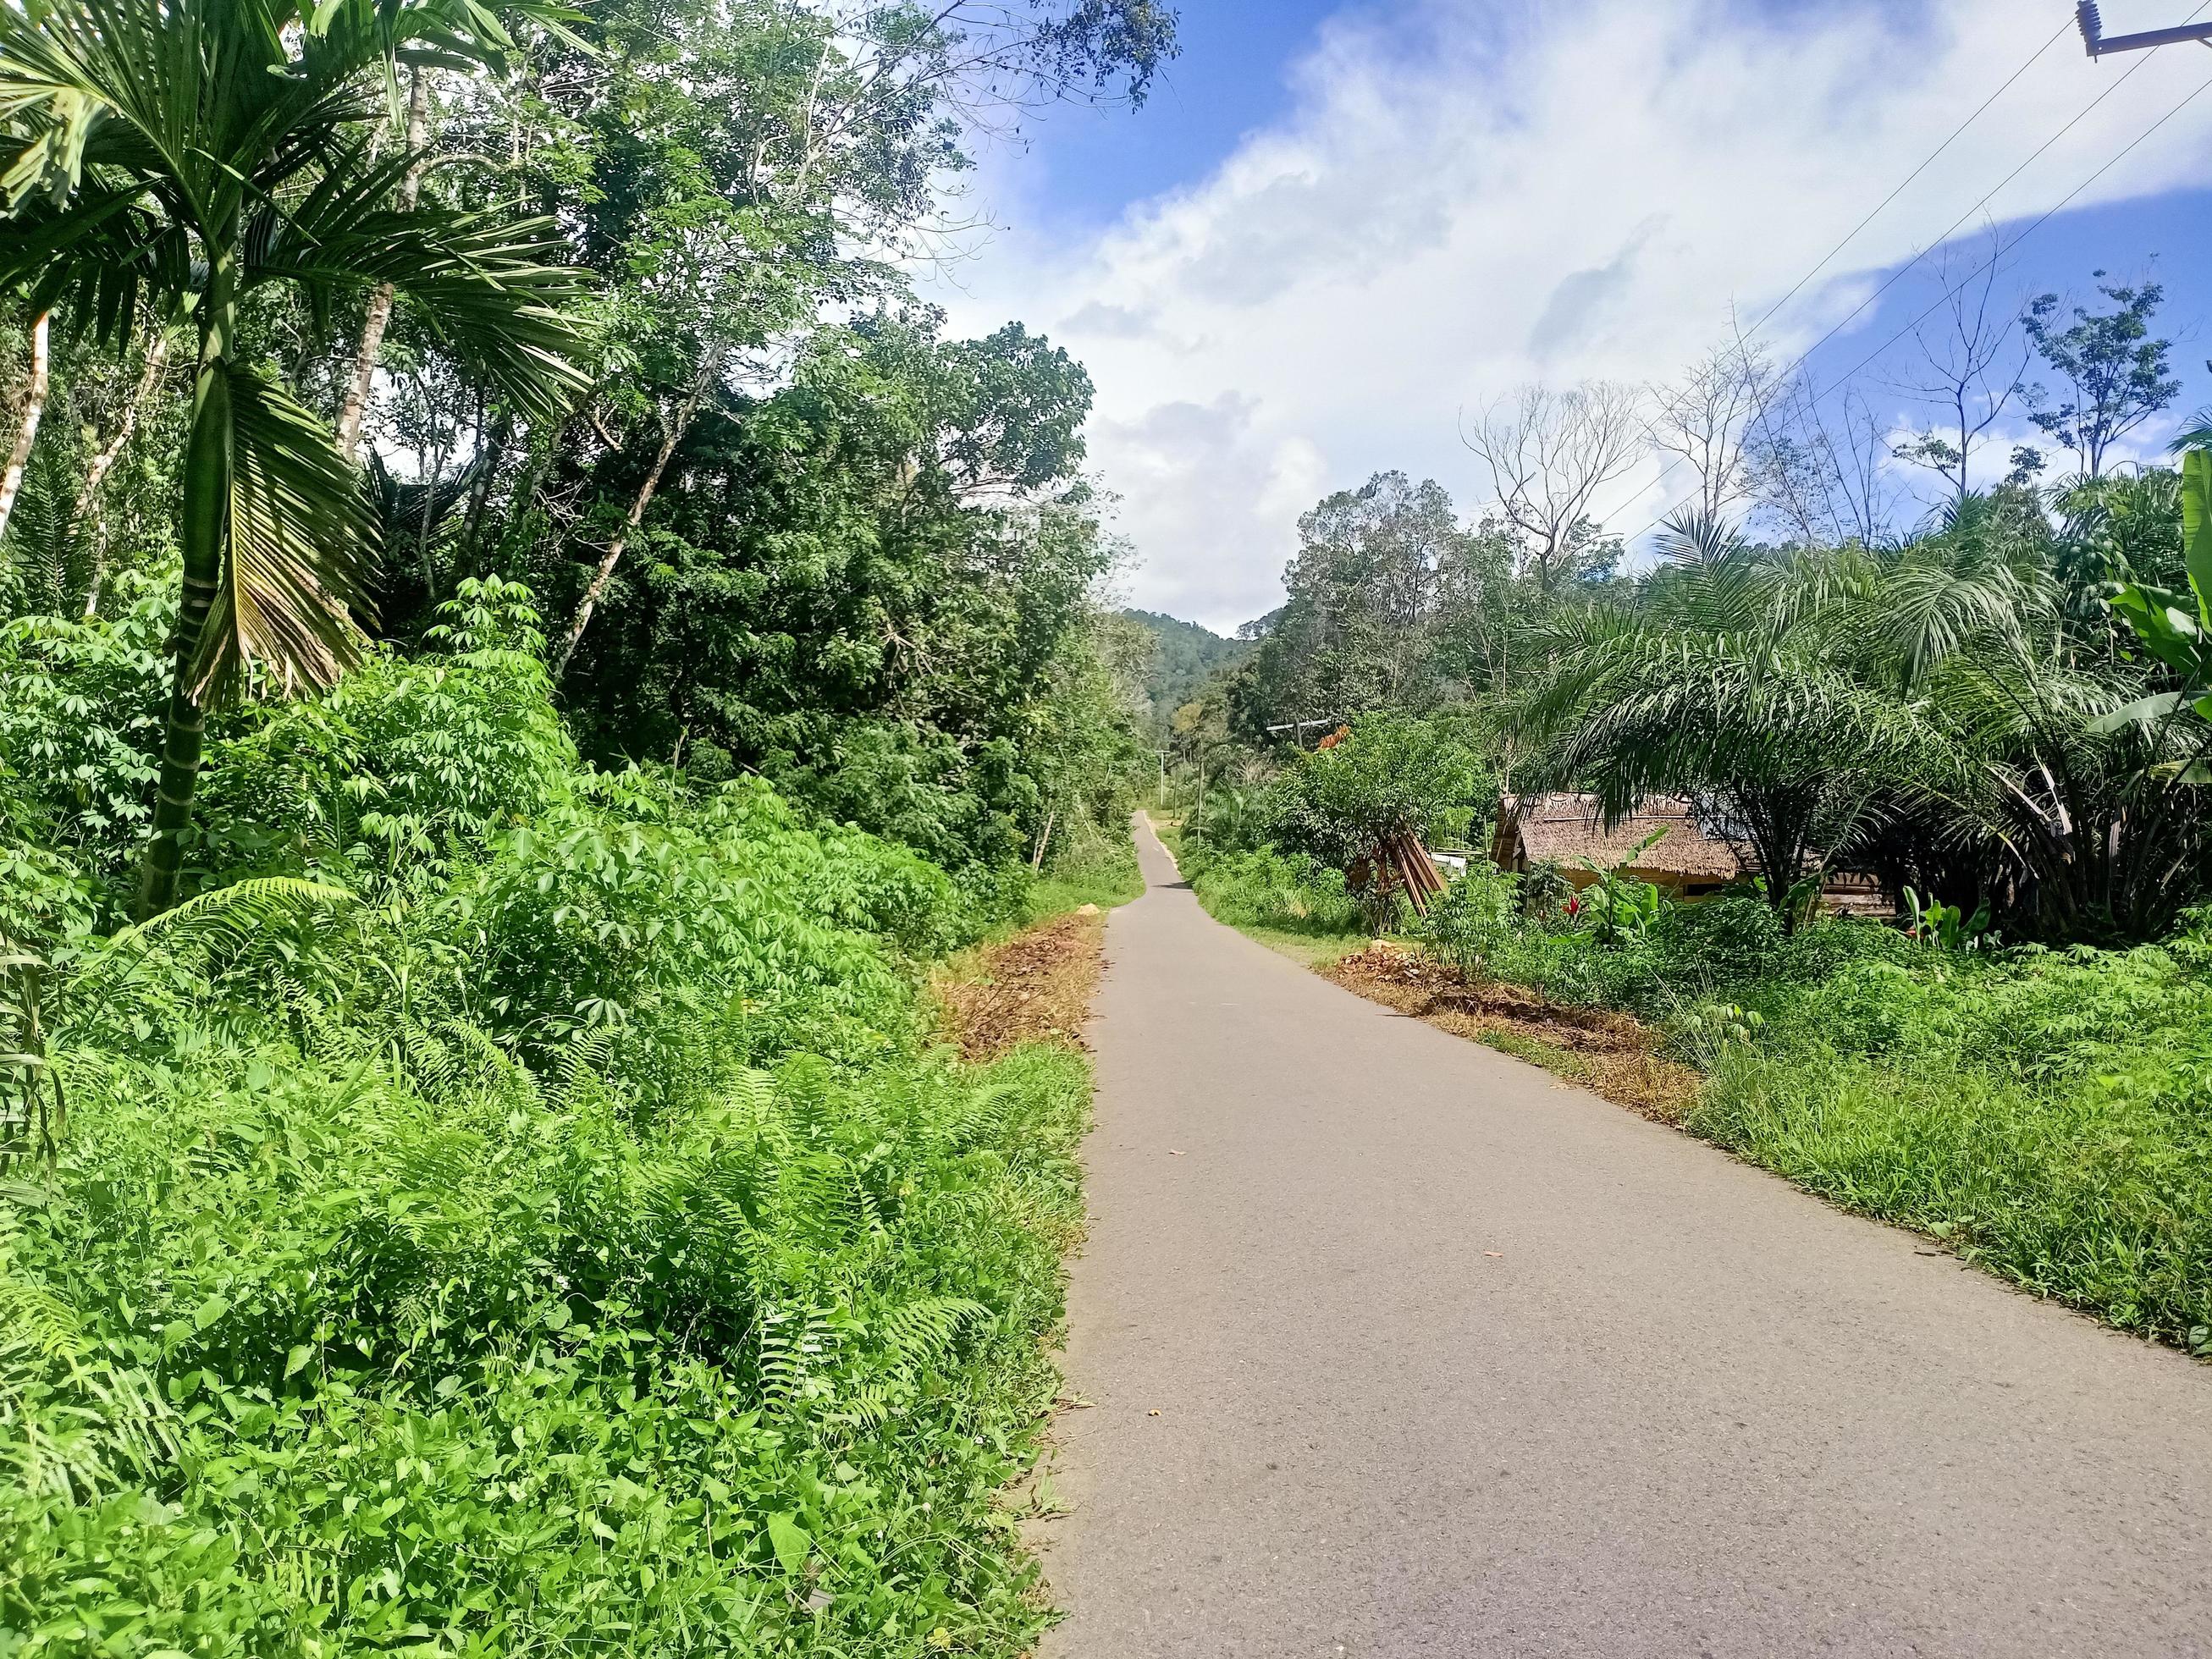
205 531
26 432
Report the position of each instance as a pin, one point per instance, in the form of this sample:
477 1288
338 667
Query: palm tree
174 156
1933 709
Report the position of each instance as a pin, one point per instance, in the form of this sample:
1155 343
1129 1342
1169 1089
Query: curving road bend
1396 1347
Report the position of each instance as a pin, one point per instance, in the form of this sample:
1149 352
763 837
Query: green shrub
312 1351
1391 776
1268 889
548 1230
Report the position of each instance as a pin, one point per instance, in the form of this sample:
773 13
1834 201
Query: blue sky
1335 230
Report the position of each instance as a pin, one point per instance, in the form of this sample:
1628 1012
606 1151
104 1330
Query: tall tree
751 164
175 157
1365 594
2116 375
1549 455
867 585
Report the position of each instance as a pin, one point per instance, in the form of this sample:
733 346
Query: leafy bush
546 1229
1392 776
1473 921
1269 889
312 1351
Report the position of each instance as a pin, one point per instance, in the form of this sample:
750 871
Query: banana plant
1946 926
1623 906
171 157
2177 628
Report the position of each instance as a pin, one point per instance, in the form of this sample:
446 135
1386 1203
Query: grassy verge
1104 874
1288 904
2046 1114
1610 1053
2095 1196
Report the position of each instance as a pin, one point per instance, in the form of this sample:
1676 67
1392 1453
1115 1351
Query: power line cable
1929 160
1942 299
1898 275
1668 470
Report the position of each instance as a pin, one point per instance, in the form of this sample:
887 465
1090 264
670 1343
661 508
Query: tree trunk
423 530
88 498
34 406
672 434
355 406
488 459
207 488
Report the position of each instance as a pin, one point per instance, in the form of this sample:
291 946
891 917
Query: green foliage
522 1214
1391 776
1267 889
1183 657
1096 867
1473 921
302 1349
2046 1114
1387 600
911 646
1232 820
2115 373
1619 905
1946 926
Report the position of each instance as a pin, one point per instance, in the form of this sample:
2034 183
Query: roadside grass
2095 1196
1318 950
1103 873
2045 1115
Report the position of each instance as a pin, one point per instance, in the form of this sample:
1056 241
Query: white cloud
1466 196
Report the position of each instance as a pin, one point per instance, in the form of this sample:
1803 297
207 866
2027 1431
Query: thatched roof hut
1569 831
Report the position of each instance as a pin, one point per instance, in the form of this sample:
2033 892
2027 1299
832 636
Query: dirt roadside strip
1396 1347
1036 987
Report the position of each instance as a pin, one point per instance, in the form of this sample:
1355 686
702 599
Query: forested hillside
1184 656
522 641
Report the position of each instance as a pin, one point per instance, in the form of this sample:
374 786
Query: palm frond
488 287
302 547
225 919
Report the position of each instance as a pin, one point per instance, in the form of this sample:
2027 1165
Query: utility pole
2094 37
1163 753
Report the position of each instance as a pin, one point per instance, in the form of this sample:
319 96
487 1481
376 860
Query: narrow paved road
1448 1358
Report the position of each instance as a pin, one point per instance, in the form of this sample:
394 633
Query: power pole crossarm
2099 43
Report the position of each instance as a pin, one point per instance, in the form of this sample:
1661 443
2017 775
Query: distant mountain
1188 654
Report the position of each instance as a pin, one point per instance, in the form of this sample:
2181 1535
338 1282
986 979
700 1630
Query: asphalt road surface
1397 1346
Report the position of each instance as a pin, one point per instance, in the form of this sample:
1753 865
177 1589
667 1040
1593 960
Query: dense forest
522 640
1182 656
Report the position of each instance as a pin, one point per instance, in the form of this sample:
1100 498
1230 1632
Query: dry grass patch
1033 987
1609 1054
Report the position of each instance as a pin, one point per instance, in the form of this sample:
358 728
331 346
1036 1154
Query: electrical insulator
2093 25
